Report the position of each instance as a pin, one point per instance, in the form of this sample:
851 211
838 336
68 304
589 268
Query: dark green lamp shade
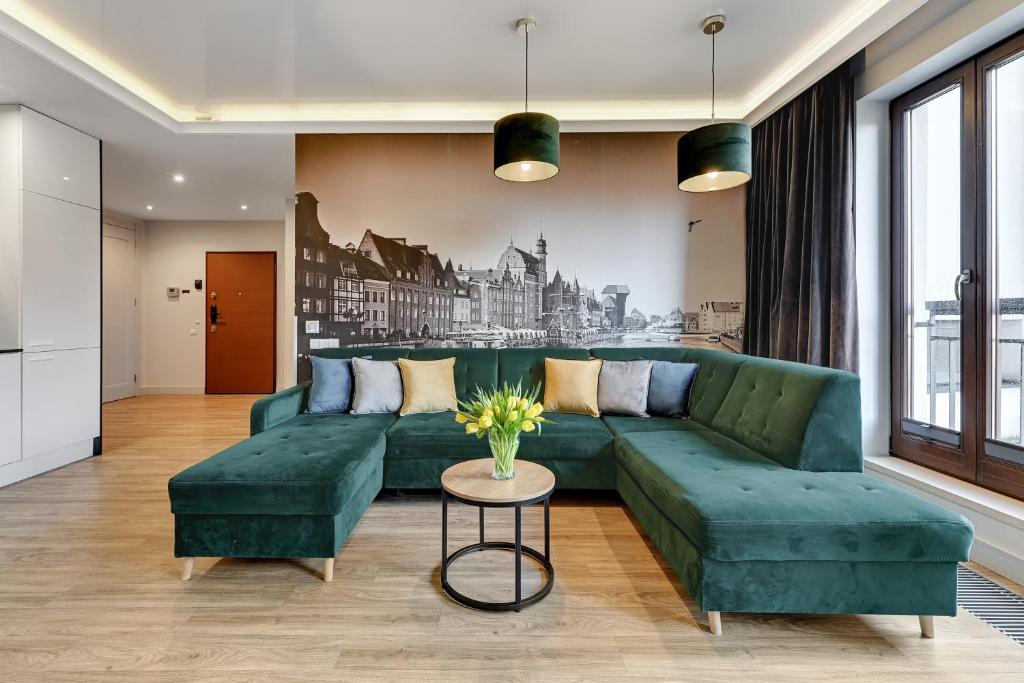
526 147
714 157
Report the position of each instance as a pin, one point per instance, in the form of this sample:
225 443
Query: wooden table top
471 480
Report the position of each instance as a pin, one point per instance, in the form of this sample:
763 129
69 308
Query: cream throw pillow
570 386
429 385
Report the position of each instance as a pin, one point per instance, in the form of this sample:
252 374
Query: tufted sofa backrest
372 352
527 365
801 416
473 367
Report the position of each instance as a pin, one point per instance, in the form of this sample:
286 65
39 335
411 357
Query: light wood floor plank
90 592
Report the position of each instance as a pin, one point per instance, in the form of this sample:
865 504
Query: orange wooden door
240 339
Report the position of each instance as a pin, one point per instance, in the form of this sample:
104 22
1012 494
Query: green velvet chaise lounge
758 501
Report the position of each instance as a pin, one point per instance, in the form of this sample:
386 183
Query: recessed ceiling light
245 207
65 178
149 207
178 178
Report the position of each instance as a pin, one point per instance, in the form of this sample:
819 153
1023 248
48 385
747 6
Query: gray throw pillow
670 388
331 391
378 386
622 387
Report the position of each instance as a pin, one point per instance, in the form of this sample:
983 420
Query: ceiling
214 89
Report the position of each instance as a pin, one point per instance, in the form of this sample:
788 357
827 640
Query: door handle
213 314
965 277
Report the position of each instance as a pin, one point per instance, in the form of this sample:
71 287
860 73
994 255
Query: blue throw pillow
669 393
332 385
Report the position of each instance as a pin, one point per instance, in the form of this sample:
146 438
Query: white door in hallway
120 313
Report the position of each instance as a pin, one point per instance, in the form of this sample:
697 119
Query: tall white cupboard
50 275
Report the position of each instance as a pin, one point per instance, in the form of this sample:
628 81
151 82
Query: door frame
956 459
110 226
206 312
991 472
977 460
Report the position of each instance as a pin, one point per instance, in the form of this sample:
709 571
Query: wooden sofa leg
927 626
715 623
186 572
328 570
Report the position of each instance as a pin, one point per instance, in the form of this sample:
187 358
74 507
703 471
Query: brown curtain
801 269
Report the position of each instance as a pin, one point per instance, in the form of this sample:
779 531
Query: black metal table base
517 547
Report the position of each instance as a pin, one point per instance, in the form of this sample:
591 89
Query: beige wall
173 254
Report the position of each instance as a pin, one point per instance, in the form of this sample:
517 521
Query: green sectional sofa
758 501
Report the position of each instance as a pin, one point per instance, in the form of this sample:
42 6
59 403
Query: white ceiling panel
216 89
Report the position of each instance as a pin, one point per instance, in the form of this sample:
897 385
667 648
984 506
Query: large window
958 277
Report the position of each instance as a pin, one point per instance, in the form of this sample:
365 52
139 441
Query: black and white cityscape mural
387 253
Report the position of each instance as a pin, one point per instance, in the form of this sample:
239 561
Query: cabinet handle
43 343
40 359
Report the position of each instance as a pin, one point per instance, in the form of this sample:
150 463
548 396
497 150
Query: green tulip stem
504 448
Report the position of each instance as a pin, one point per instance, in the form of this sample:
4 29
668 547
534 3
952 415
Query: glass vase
504 448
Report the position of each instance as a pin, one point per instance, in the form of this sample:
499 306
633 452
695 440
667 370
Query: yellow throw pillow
429 385
570 386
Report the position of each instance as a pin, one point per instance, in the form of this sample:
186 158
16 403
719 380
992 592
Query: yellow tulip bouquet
501 414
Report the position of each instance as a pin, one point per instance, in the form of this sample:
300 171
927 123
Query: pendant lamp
717 156
526 144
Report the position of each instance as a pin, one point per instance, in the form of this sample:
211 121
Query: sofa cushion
331 390
671 385
733 504
620 424
438 435
622 387
308 465
378 386
570 386
429 385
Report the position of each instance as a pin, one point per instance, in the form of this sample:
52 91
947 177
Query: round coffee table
470 482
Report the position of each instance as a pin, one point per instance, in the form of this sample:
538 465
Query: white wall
872 212
173 254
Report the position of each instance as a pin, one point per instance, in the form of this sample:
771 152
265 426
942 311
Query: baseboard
998 520
172 390
998 560
20 470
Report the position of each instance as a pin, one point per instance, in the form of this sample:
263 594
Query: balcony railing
943 367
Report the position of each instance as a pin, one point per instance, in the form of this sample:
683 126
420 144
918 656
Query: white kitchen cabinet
59 161
10 407
50 294
60 399
60 307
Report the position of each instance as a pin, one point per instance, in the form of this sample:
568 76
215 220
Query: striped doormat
1000 608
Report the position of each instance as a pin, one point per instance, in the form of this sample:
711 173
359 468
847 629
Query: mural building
364 285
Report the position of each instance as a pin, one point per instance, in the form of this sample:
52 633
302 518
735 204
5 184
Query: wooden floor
89 591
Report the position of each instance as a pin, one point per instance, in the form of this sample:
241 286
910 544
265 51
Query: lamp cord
713 76
526 84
